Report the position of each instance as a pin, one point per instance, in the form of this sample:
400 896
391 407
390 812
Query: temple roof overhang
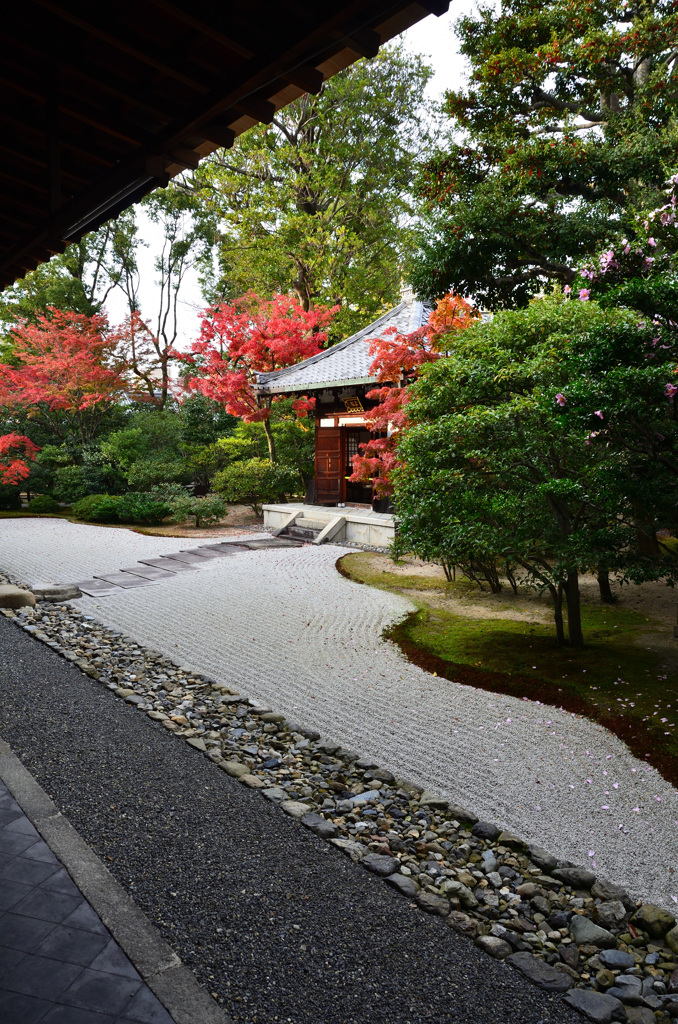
105 102
347 364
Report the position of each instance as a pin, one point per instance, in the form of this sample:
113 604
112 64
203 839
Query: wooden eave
104 102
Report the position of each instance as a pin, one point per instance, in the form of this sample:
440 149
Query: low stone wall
359 529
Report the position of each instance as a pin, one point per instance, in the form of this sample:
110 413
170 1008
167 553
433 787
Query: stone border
559 925
176 986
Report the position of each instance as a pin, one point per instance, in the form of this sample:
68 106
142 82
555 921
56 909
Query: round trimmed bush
42 504
97 508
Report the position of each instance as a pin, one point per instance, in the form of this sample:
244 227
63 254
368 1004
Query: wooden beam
366 42
214 32
260 109
219 134
307 78
437 7
97 30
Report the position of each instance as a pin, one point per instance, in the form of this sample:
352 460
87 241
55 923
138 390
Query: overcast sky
432 37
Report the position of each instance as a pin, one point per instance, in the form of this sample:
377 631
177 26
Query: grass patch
622 678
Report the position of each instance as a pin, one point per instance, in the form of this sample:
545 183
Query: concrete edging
175 985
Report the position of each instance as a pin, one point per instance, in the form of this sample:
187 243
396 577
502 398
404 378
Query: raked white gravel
283 626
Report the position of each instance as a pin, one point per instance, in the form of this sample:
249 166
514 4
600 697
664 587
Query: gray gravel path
282 926
285 627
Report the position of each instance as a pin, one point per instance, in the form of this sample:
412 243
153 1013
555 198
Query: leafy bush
97 508
43 503
142 508
203 511
10 498
255 481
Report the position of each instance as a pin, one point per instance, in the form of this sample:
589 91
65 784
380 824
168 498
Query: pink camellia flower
561 400
669 390
627 250
584 294
598 413
652 242
567 289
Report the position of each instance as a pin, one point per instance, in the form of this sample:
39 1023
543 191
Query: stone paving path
58 963
283 626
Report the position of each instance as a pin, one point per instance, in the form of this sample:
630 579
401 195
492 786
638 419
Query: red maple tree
397 359
15 449
66 372
253 335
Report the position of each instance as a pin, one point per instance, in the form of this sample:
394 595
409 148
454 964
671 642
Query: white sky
433 37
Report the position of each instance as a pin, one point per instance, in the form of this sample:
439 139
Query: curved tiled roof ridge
349 361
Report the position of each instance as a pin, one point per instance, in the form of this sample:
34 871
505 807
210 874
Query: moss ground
626 677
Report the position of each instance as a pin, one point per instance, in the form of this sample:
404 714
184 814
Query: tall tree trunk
574 630
557 595
606 595
271 441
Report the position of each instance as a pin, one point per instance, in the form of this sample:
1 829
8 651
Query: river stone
320 826
640 1015
461 814
597 1006
432 800
673 981
380 864
514 842
496 947
275 794
380 775
254 781
671 939
628 989
586 933
236 770
616 959
463 923
406 886
542 858
15 597
653 920
578 878
610 914
541 974
56 591
433 904
452 887
486 830
294 808
193 741
604 890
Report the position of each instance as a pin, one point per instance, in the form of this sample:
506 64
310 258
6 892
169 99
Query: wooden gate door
328 466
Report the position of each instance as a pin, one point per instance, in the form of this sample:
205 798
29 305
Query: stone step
307 523
300 532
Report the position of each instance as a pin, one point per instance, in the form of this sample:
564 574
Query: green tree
319 201
513 455
563 132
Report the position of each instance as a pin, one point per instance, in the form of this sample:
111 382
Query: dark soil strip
534 689
282 926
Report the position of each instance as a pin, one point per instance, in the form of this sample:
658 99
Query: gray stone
406 886
597 1006
628 989
253 781
640 1015
236 770
15 597
451 887
541 974
496 947
463 923
654 920
486 830
275 793
432 800
586 933
433 904
461 814
578 878
610 914
364 798
671 939
616 959
381 864
194 741
604 890
294 808
271 717
55 591
542 858
319 825
381 775
512 841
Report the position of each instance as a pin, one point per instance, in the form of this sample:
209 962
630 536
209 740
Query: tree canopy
563 133
318 203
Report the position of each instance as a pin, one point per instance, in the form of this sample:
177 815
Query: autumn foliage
397 360
15 449
64 371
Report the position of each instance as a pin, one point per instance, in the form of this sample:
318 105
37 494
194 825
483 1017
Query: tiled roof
348 362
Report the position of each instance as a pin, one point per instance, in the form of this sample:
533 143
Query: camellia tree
64 373
398 359
562 135
250 335
507 458
16 450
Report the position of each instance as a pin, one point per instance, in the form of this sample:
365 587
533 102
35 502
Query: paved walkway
285 627
58 963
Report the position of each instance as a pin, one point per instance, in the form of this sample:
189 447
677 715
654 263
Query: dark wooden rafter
145 88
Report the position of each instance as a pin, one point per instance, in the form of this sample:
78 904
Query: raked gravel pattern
284 627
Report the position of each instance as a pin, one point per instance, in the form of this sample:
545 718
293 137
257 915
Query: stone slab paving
58 963
283 626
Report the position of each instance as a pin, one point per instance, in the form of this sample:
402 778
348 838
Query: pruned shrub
137 507
43 504
97 508
202 511
254 482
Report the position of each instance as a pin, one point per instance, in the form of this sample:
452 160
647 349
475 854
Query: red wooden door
328 466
